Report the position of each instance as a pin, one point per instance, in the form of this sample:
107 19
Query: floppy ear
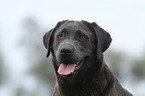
47 41
48 37
103 39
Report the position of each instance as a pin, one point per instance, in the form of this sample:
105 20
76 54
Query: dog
77 53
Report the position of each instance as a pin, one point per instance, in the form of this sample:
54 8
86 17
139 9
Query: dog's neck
93 85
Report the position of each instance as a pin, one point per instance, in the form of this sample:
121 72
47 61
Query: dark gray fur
73 41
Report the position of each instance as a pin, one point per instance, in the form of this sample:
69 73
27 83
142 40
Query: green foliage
45 73
114 60
3 71
139 69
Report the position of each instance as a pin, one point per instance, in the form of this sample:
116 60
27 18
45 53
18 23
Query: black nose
66 50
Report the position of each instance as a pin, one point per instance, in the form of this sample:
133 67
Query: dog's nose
66 50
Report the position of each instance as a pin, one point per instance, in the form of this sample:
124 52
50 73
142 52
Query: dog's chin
70 71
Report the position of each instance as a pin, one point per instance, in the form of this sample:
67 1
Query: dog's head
74 44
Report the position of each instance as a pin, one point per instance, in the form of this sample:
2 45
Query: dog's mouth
67 69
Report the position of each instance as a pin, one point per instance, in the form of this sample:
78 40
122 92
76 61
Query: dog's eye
82 37
60 36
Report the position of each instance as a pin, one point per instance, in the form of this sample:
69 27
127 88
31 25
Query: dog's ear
103 38
48 37
47 41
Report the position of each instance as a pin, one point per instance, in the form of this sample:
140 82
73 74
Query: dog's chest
78 91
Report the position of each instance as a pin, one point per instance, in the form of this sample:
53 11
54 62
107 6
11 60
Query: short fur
86 43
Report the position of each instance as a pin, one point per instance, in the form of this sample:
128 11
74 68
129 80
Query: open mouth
67 69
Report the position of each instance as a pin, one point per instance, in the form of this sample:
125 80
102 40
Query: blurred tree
114 60
3 71
20 91
40 67
31 39
119 64
139 69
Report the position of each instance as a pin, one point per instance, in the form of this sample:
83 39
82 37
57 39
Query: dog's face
73 45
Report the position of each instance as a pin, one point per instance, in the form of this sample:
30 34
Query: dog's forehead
74 26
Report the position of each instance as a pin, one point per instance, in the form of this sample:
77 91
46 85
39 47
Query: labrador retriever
77 53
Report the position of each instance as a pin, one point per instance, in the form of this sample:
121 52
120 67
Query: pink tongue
66 69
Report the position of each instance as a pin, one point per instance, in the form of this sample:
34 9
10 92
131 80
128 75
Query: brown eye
82 37
60 36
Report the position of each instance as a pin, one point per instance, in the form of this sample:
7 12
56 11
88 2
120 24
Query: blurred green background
24 70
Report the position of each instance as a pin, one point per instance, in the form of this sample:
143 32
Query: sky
123 19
